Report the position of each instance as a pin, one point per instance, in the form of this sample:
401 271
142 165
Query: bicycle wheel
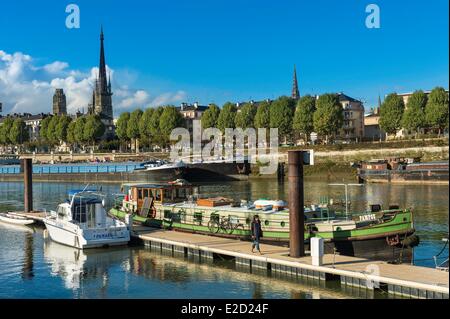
229 228
213 226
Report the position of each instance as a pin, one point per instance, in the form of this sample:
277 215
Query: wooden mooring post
296 204
27 168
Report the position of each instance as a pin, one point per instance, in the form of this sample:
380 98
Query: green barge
376 233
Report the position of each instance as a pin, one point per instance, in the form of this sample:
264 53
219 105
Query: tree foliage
144 124
43 129
51 137
133 124
281 115
122 126
226 116
328 117
303 122
93 129
262 116
414 115
62 127
71 139
391 113
436 110
170 119
246 116
210 116
5 128
154 125
79 130
18 133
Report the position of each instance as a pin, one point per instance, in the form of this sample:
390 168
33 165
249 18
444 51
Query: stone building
372 129
59 102
191 112
353 126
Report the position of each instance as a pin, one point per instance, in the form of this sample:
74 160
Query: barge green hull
383 241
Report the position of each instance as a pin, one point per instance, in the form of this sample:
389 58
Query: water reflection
27 269
77 267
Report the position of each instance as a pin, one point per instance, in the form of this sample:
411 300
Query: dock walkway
403 280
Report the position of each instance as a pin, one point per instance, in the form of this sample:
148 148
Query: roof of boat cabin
77 191
159 186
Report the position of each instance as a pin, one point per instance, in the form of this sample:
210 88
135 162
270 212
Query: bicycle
227 225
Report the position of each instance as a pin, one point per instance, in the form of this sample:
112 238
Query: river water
35 267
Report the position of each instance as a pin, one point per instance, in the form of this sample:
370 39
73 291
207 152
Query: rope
445 246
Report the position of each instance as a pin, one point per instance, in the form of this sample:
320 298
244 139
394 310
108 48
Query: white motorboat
16 219
162 165
82 222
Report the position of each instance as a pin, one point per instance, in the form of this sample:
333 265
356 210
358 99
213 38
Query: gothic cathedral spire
295 91
102 100
102 66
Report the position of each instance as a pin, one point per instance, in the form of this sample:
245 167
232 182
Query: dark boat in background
403 171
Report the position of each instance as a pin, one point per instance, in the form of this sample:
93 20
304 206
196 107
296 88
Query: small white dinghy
12 218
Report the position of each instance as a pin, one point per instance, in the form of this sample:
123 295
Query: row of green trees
421 112
54 130
153 126
13 132
292 118
83 131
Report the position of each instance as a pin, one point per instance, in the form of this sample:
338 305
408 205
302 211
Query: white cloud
56 67
28 87
139 98
169 98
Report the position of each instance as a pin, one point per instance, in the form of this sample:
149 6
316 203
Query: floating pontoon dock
401 280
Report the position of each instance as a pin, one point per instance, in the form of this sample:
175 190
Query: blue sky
215 51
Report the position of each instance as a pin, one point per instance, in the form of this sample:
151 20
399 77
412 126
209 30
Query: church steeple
102 80
102 102
295 91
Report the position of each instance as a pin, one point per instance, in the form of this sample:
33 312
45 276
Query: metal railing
72 169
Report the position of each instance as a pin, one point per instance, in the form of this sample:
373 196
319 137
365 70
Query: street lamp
346 194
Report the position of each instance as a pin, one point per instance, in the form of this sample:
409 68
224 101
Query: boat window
79 213
158 195
139 193
146 191
182 193
167 195
91 215
198 216
61 211
167 213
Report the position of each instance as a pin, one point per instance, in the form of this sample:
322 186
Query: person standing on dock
256 233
